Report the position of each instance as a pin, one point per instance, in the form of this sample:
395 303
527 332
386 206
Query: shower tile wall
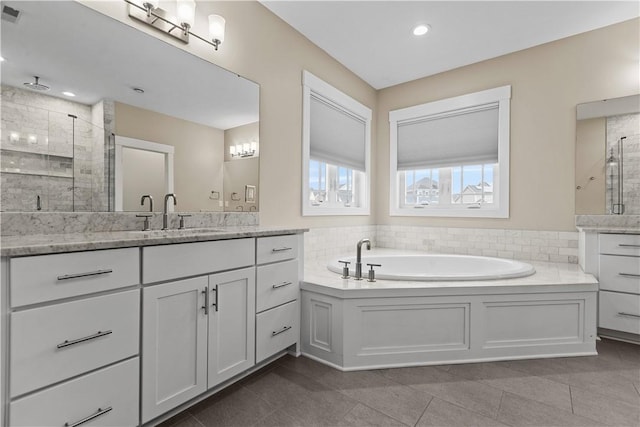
322 244
39 156
618 126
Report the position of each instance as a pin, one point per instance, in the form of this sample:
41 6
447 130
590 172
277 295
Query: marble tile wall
553 246
618 126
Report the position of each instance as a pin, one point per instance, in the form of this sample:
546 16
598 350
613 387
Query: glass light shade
216 27
14 137
254 146
246 147
232 150
186 10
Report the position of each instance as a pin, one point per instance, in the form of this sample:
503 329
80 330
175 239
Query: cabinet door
174 346
231 324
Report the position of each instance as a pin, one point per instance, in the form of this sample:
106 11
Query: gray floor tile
607 410
379 392
278 418
240 407
610 384
471 395
182 420
539 366
519 411
304 365
445 414
363 416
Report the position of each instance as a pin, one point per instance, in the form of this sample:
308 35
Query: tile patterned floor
602 390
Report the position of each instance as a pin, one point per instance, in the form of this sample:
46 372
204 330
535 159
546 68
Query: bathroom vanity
131 327
610 250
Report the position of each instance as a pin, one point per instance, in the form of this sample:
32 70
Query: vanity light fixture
244 150
180 26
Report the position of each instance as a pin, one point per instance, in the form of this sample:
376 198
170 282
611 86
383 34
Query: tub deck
354 325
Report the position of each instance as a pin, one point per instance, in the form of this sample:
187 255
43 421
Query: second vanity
129 328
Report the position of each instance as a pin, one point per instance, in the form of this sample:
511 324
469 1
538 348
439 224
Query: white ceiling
374 38
74 48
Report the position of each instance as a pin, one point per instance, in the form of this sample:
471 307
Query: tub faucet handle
372 273
345 269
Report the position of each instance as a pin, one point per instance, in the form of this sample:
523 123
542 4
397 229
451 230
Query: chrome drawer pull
98 334
625 245
91 273
628 275
621 313
285 329
280 249
90 417
283 284
205 307
215 304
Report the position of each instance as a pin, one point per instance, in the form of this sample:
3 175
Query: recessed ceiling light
69 94
138 90
420 30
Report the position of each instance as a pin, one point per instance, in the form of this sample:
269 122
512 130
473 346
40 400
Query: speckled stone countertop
562 276
40 244
622 224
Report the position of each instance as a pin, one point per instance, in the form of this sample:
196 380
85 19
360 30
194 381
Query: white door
231 324
174 346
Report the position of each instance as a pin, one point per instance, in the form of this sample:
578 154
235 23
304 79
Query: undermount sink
175 232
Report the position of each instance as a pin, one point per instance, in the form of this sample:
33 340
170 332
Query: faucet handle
372 273
182 217
146 216
345 269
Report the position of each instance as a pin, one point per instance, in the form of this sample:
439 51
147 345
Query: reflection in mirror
608 157
58 149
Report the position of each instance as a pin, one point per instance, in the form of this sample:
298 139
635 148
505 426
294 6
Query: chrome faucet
147 196
165 216
359 257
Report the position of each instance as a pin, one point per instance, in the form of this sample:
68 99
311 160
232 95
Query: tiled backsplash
553 246
24 223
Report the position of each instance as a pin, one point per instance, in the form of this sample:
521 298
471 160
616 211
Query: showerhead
36 86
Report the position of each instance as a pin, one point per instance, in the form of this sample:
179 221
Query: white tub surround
354 325
610 250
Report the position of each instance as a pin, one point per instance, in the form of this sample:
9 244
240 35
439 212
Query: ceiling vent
10 14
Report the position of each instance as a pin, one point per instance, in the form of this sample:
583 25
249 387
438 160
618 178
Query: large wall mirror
608 157
75 81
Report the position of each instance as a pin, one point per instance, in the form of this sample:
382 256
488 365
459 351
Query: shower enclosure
623 165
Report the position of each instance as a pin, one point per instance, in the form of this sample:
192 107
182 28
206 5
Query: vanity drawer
620 244
276 248
277 329
49 277
114 388
276 284
620 273
620 312
97 331
194 259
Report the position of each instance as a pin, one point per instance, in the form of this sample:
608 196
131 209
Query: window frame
320 89
500 209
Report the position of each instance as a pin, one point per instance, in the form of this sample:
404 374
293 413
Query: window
451 157
336 151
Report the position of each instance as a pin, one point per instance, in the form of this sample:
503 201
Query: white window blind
337 137
447 139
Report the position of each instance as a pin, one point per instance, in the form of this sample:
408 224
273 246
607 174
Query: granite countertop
620 224
563 276
40 244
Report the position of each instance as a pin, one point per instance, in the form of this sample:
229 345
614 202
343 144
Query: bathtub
437 267
428 309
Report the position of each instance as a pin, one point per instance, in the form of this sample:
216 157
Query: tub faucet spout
359 257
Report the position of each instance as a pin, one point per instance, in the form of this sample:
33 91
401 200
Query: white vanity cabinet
74 338
200 331
278 295
619 276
